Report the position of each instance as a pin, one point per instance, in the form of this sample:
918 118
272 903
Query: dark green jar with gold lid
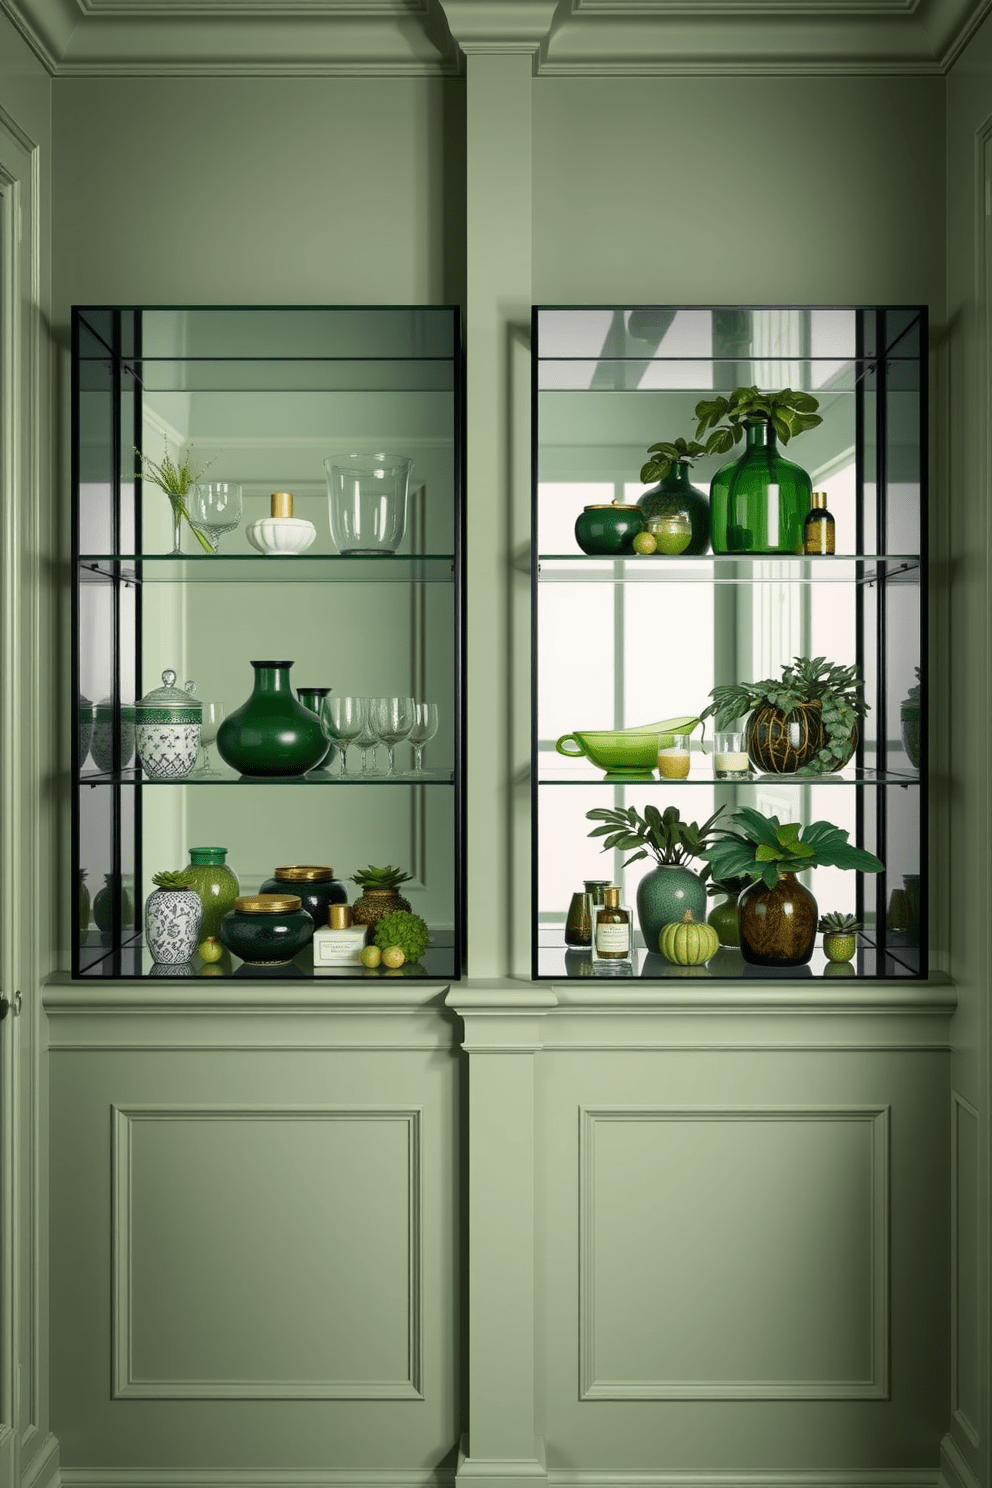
313 883
608 530
266 929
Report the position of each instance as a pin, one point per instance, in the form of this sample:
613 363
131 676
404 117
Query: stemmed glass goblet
425 722
342 719
368 740
213 717
392 721
215 508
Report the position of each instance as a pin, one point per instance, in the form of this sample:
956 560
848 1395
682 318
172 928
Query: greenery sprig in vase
671 887
826 699
789 413
176 481
669 464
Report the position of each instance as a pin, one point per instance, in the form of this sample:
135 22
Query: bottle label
613 938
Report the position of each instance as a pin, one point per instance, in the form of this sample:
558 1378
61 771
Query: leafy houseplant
176 481
758 502
777 915
804 723
671 887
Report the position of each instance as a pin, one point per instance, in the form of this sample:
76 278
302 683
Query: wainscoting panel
733 1254
304 1223
965 1280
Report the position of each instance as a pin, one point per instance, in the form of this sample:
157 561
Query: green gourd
688 942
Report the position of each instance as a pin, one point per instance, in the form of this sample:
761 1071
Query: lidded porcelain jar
101 742
266 929
315 885
168 729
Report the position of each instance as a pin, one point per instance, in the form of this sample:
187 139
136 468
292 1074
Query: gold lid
612 506
819 498
339 917
304 873
282 503
613 897
268 903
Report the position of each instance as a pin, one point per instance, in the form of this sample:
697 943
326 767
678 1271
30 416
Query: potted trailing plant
669 464
777 915
176 481
744 517
804 722
671 887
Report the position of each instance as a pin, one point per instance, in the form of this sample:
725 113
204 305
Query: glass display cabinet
624 639
263 398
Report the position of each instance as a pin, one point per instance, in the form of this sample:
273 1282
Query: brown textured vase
373 904
778 926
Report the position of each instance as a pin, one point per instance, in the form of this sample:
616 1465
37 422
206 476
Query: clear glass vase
366 496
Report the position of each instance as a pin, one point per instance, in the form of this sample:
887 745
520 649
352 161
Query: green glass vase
675 494
271 734
759 502
216 884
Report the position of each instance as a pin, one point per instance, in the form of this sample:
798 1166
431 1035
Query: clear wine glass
368 740
425 722
213 717
342 719
215 508
392 721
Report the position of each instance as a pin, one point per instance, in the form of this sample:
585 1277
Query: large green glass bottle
759 502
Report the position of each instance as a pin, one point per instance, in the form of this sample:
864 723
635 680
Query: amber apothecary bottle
611 929
818 528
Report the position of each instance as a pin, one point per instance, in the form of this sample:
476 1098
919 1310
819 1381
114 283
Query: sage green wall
774 190
962 693
255 191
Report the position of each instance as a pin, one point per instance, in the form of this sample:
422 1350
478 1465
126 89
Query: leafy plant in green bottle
758 502
669 464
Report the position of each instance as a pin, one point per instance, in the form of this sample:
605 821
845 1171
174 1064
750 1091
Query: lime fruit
211 949
392 956
371 956
644 542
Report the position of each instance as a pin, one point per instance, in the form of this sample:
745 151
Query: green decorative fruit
371 956
402 928
688 942
211 949
645 542
392 957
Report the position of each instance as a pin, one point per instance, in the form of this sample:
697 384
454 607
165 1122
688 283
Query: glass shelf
224 568
134 960
314 778
552 775
557 960
784 568
268 376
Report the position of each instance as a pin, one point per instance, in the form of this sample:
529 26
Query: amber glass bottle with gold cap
818 528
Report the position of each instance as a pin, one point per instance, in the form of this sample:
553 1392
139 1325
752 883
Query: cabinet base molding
954 1471
895 1478
43 1469
247 1477
502 1472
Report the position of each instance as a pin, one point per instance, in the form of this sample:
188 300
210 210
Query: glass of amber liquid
673 757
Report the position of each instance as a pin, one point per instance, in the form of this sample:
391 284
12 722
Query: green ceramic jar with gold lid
266 929
315 885
608 530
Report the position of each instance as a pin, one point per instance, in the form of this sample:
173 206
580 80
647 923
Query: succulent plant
169 880
380 878
403 929
839 924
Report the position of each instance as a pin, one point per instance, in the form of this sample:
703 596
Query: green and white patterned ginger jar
168 729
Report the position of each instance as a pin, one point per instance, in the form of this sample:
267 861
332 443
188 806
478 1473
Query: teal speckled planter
266 929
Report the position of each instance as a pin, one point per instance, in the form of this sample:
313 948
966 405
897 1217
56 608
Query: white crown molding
430 37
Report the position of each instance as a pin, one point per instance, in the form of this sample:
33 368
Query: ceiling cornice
74 38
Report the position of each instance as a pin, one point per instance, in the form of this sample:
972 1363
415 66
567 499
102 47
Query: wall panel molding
965 1250
593 1385
127 1384
237 1477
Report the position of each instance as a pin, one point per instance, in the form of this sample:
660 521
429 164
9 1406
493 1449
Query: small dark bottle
611 935
818 528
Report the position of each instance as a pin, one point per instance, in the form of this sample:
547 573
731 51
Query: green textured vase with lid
674 493
759 502
271 734
216 884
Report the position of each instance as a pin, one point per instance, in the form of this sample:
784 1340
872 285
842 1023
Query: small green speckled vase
271 734
266 929
216 884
